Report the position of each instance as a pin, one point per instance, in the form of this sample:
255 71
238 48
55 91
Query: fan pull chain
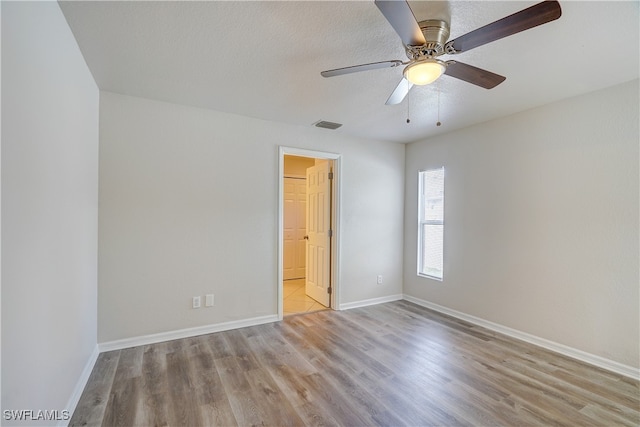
438 122
408 99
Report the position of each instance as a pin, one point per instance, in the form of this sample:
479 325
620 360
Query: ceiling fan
425 41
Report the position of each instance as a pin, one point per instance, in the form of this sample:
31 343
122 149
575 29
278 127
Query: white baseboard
372 301
592 359
81 384
184 333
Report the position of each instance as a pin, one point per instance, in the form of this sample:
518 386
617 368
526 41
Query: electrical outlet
379 279
196 302
209 300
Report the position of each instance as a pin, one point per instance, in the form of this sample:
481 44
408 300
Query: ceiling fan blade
358 68
473 75
533 16
399 92
401 18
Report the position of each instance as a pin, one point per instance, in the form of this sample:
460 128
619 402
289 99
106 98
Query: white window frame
422 222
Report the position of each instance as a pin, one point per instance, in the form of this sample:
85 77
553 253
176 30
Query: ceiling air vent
327 125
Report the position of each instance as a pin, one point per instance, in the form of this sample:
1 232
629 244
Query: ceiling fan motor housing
436 34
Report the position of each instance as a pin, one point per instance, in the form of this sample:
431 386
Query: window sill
426 276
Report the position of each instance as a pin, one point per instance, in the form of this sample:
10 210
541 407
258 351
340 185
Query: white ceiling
263 59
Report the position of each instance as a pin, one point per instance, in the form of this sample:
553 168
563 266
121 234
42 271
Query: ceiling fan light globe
424 72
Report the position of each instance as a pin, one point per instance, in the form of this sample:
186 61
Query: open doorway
308 235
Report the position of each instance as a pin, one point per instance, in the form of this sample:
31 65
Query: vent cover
327 125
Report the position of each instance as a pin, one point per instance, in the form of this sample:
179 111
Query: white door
318 226
294 221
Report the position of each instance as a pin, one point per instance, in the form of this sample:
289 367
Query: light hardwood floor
394 364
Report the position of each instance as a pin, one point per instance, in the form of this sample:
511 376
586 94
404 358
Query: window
431 223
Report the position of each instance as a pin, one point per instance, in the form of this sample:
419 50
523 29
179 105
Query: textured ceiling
263 59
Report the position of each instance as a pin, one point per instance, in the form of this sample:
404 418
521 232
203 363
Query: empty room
349 213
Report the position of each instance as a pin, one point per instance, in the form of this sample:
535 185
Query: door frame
335 219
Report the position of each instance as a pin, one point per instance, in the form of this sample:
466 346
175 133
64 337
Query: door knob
306 237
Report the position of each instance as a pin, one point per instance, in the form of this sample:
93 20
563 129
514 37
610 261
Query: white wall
542 219
49 208
188 206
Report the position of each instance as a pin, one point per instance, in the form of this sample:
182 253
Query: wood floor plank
342 348
123 401
184 408
394 390
240 348
334 402
218 345
155 387
275 408
282 372
602 416
327 394
284 352
94 399
208 388
345 380
245 408
391 364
